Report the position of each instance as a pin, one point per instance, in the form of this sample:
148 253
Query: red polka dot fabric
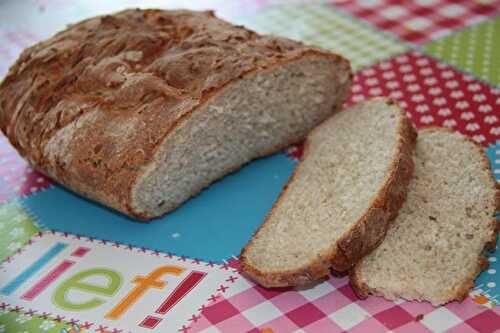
433 94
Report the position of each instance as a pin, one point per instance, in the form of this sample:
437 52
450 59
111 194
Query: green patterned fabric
16 228
11 322
476 50
320 25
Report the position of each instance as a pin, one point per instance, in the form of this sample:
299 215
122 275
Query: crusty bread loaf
350 183
142 109
433 250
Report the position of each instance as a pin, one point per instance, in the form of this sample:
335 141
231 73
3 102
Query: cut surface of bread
433 251
337 205
142 109
253 117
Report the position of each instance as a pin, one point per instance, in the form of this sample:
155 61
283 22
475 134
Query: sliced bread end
255 116
424 270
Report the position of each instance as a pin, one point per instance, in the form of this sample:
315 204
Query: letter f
142 285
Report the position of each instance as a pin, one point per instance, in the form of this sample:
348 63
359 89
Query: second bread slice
433 251
350 183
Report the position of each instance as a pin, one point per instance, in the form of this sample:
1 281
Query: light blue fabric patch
212 226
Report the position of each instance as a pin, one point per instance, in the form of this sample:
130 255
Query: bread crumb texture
346 163
434 249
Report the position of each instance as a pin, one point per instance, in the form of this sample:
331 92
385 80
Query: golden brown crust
90 106
362 290
364 236
300 277
370 230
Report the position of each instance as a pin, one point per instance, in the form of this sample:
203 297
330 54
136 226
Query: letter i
33 269
53 275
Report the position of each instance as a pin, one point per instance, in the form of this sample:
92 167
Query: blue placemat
212 226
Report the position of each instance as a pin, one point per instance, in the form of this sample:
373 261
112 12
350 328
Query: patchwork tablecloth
70 265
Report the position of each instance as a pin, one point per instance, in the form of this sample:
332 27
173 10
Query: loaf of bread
143 109
433 251
349 185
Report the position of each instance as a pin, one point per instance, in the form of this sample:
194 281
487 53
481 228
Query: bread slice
142 109
433 250
336 208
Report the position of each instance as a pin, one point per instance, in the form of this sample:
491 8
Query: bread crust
362 290
370 230
91 106
365 234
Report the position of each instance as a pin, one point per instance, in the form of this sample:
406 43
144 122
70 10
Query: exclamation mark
175 297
